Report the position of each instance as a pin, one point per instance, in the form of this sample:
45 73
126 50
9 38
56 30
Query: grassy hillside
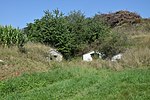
28 75
35 60
16 63
78 83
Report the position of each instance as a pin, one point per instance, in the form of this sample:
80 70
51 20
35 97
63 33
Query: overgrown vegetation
16 63
119 18
10 36
30 75
72 35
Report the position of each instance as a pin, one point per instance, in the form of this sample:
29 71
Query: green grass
29 76
78 83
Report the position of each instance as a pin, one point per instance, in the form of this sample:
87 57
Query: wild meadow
27 74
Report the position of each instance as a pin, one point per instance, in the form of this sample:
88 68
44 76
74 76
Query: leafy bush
71 34
52 29
10 36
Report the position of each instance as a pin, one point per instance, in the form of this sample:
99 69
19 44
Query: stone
54 55
1 61
88 56
116 57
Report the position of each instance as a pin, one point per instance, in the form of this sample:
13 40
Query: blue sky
20 12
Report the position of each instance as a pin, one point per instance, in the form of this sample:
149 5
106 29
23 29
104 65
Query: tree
52 29
72 35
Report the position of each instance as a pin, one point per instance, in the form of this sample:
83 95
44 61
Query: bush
51 29
71 34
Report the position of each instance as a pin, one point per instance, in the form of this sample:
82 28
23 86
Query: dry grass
142 28
16 63
132 58
35 58
141 40
136 57
138 51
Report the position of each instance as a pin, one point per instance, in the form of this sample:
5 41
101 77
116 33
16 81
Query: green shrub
52 29
71 34
74 34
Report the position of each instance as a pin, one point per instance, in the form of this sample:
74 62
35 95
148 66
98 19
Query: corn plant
10 36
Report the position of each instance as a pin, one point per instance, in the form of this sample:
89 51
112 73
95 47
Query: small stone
1 61
55 55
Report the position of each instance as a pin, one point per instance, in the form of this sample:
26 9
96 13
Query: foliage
115 43
71 34
10 36
51 29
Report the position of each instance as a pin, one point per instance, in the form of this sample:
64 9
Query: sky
20 12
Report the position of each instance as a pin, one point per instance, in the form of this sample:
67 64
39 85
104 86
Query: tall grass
17 63
136 57
10 36
35 60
